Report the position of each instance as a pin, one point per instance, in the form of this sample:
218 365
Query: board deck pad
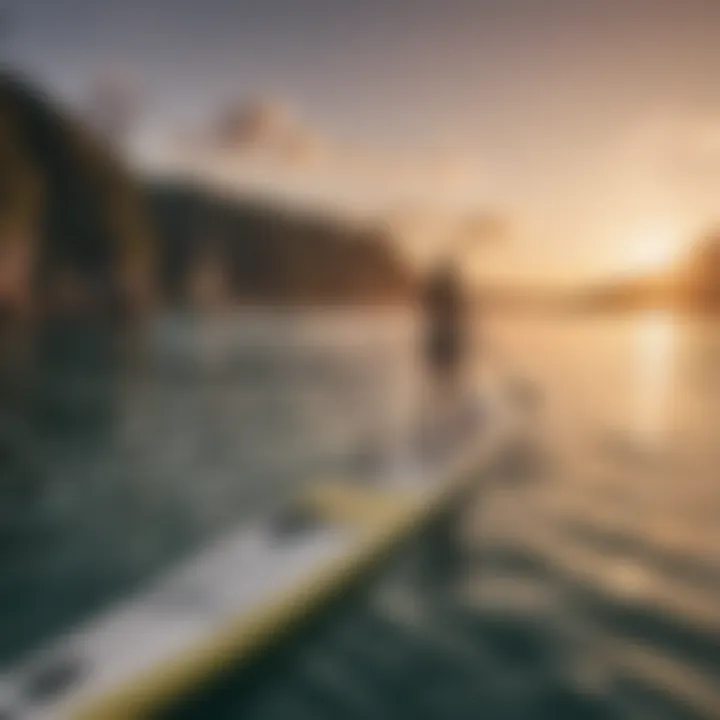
232 598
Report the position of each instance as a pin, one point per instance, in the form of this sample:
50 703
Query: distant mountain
226 250
693 286
633 293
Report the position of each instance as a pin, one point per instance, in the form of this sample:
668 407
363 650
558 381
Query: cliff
79 235
229 250
73 234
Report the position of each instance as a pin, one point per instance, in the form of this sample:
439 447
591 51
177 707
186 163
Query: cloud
262 144
674 165
112 104
263 126
255 123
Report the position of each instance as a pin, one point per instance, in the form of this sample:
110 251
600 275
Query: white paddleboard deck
233 597
237 576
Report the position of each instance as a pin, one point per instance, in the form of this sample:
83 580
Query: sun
653 251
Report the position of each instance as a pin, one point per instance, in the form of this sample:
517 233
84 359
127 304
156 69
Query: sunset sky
594 126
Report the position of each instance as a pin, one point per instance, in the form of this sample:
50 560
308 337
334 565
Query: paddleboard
244 591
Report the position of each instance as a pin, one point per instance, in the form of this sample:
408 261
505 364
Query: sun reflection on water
656 346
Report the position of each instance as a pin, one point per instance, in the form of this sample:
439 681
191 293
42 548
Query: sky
593 126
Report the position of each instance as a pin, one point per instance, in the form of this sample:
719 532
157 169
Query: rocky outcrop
73 239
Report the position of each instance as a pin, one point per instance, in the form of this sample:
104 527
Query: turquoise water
587 578
120 459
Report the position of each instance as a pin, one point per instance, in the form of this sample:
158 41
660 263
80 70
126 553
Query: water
589 575
113 469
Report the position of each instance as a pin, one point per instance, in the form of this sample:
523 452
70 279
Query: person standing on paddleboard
446 326
446 346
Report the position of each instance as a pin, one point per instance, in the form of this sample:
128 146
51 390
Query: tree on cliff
72 232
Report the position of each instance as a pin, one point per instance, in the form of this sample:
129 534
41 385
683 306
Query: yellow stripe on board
383 517
359 507
246 635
